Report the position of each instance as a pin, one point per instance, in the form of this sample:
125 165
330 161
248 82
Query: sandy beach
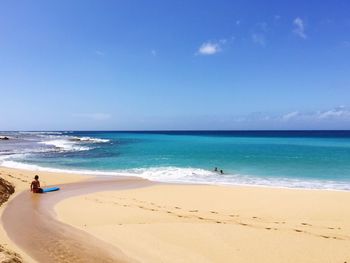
21 180
138 221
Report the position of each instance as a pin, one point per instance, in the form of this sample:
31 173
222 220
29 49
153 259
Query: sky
174 65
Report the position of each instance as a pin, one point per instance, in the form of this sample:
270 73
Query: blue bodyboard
51 189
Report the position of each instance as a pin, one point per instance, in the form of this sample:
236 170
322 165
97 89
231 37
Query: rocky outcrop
6 189
6 255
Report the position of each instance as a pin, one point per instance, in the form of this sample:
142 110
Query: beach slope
201 223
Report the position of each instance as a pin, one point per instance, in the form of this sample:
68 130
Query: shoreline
21 179
165 195
97 173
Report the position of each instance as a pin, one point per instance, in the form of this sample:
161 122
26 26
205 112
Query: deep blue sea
301 159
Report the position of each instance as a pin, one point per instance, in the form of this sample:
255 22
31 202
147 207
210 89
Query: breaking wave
194 176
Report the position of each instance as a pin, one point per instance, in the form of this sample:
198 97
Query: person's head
36 177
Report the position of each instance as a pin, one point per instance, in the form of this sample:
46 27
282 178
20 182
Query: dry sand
191 223
200 223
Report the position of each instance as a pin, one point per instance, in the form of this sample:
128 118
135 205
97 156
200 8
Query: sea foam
194 176
65 145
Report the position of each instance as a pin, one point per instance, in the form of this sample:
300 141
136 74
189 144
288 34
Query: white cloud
259 38
290 115
340 114
299 27
209 48
93 116
336 113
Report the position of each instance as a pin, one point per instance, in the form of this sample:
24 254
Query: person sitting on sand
35 186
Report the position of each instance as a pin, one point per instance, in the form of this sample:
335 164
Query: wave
89 139
71 143
65 145
195 176
41 132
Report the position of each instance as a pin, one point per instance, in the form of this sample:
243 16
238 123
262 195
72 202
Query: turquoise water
291 159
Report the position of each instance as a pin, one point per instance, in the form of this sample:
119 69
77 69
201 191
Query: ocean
295 159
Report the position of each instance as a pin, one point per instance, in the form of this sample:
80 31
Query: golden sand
201 223
21 179
191 223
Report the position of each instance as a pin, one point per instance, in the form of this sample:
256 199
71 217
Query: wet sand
29 221
21 179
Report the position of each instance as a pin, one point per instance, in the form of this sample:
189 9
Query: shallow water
303 159
46 239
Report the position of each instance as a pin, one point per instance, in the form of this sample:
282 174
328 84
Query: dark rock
6 189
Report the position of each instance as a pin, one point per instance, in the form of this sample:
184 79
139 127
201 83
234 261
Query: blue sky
119 65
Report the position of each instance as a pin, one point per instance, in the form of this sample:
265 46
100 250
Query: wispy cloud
340 113
259 34
259 38
290 115
93 116
209 48
337 113
99 53
154 52
299 28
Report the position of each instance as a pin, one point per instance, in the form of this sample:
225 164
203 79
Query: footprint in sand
306 224
213 212
193 211
298 230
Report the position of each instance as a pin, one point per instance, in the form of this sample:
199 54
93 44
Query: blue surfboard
51 189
